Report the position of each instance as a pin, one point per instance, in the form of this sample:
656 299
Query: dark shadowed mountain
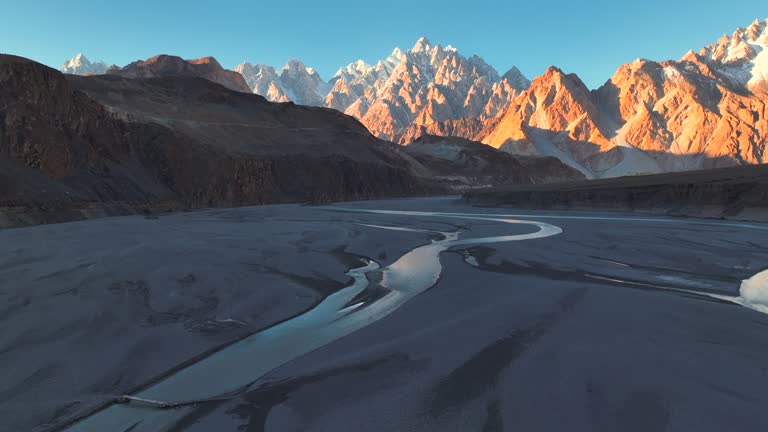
72 146
466 164
172 66
739 193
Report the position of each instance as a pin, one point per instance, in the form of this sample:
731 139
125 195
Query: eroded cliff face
78 144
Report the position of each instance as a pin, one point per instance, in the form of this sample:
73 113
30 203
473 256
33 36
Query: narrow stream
239 365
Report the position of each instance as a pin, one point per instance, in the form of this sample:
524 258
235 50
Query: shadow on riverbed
482 255
478 375
255 405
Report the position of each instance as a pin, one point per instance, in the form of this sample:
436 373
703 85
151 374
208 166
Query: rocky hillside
739 193
76 146
465 164
172 66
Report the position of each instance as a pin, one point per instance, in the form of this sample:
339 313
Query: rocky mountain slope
172 66
739 193
295 83
466 164
706 110
74 146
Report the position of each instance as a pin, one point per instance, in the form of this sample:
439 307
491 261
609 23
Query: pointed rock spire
422 45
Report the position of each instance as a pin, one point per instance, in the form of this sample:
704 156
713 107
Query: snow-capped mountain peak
422 86
295 66
743 44
79 59
741 57
422 45
352 70
262 79
80 65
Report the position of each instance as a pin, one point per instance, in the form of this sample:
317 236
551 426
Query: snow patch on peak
759 73
742 56
294 65
353 70
671 73
422 45
743 44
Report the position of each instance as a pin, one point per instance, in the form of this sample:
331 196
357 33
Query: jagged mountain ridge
295 83
706 110
80 65
73 146
407 91
423 86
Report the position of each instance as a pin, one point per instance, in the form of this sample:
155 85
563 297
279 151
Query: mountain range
707 109
173 134
424 85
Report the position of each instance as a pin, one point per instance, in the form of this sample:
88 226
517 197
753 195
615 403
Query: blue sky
590 38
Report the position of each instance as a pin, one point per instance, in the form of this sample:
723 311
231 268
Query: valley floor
620 322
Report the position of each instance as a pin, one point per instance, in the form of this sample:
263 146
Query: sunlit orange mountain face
705 110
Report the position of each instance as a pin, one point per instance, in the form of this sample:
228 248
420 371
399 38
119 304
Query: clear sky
590 38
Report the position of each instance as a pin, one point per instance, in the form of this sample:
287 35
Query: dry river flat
389 315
